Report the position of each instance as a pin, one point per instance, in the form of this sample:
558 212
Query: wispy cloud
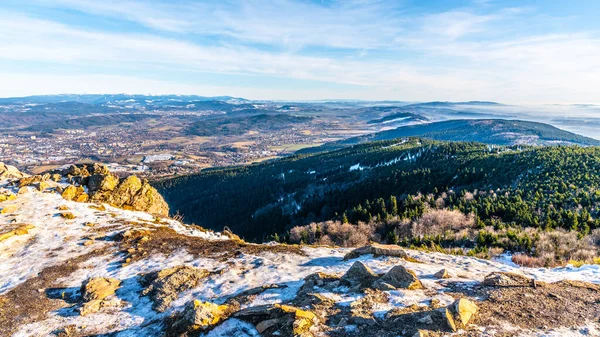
344 24
370 49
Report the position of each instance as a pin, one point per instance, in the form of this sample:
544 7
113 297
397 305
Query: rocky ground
85 254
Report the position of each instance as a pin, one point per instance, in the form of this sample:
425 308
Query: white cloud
288 23
455 24
409 57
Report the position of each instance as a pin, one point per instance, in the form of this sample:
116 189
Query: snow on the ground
55 240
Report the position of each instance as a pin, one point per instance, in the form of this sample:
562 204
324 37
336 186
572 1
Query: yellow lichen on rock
9 209
67 215
20 230
199 315
7 197
465 309
303 321
75 193
99 288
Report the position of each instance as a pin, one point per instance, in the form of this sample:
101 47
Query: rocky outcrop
505 279
94 182
442 274
376 250
464 310
97 294
199 316
359 275
10 172
398 277
6 195
99 288
279 319
17 230
165 286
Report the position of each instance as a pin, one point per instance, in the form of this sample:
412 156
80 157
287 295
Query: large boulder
279 319
376 250
99 288
506 279
125 192
465 310
199 316
10 172
74 193
166 285
398 278
359 275
102 182
149 200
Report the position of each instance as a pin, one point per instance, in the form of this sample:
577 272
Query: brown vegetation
139 243
33 299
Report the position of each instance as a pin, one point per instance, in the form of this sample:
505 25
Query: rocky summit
95 183
86 253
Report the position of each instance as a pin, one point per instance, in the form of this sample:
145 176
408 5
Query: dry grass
162 240
528 261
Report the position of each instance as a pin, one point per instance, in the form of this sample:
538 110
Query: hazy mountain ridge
489 131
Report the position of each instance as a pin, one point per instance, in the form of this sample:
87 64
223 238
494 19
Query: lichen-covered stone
95 306
99 288
465 310
126 191
359 274
442 274
506 279
376 250
199 316
399 277
102 182
166 285
72 192
10 172
149 200
19 230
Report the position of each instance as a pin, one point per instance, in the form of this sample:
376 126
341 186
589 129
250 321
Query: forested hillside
391 182
489 131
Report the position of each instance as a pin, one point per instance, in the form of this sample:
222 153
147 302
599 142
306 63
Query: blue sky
508 51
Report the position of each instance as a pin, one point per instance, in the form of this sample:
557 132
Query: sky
519 52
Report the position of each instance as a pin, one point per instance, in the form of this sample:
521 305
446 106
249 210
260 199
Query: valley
161 136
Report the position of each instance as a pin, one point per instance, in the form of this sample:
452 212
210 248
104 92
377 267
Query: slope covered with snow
43 268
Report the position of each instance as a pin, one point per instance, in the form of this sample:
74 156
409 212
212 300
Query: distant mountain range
404 117
489 131
238 125
114 98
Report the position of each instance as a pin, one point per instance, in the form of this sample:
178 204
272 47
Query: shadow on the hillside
328 261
